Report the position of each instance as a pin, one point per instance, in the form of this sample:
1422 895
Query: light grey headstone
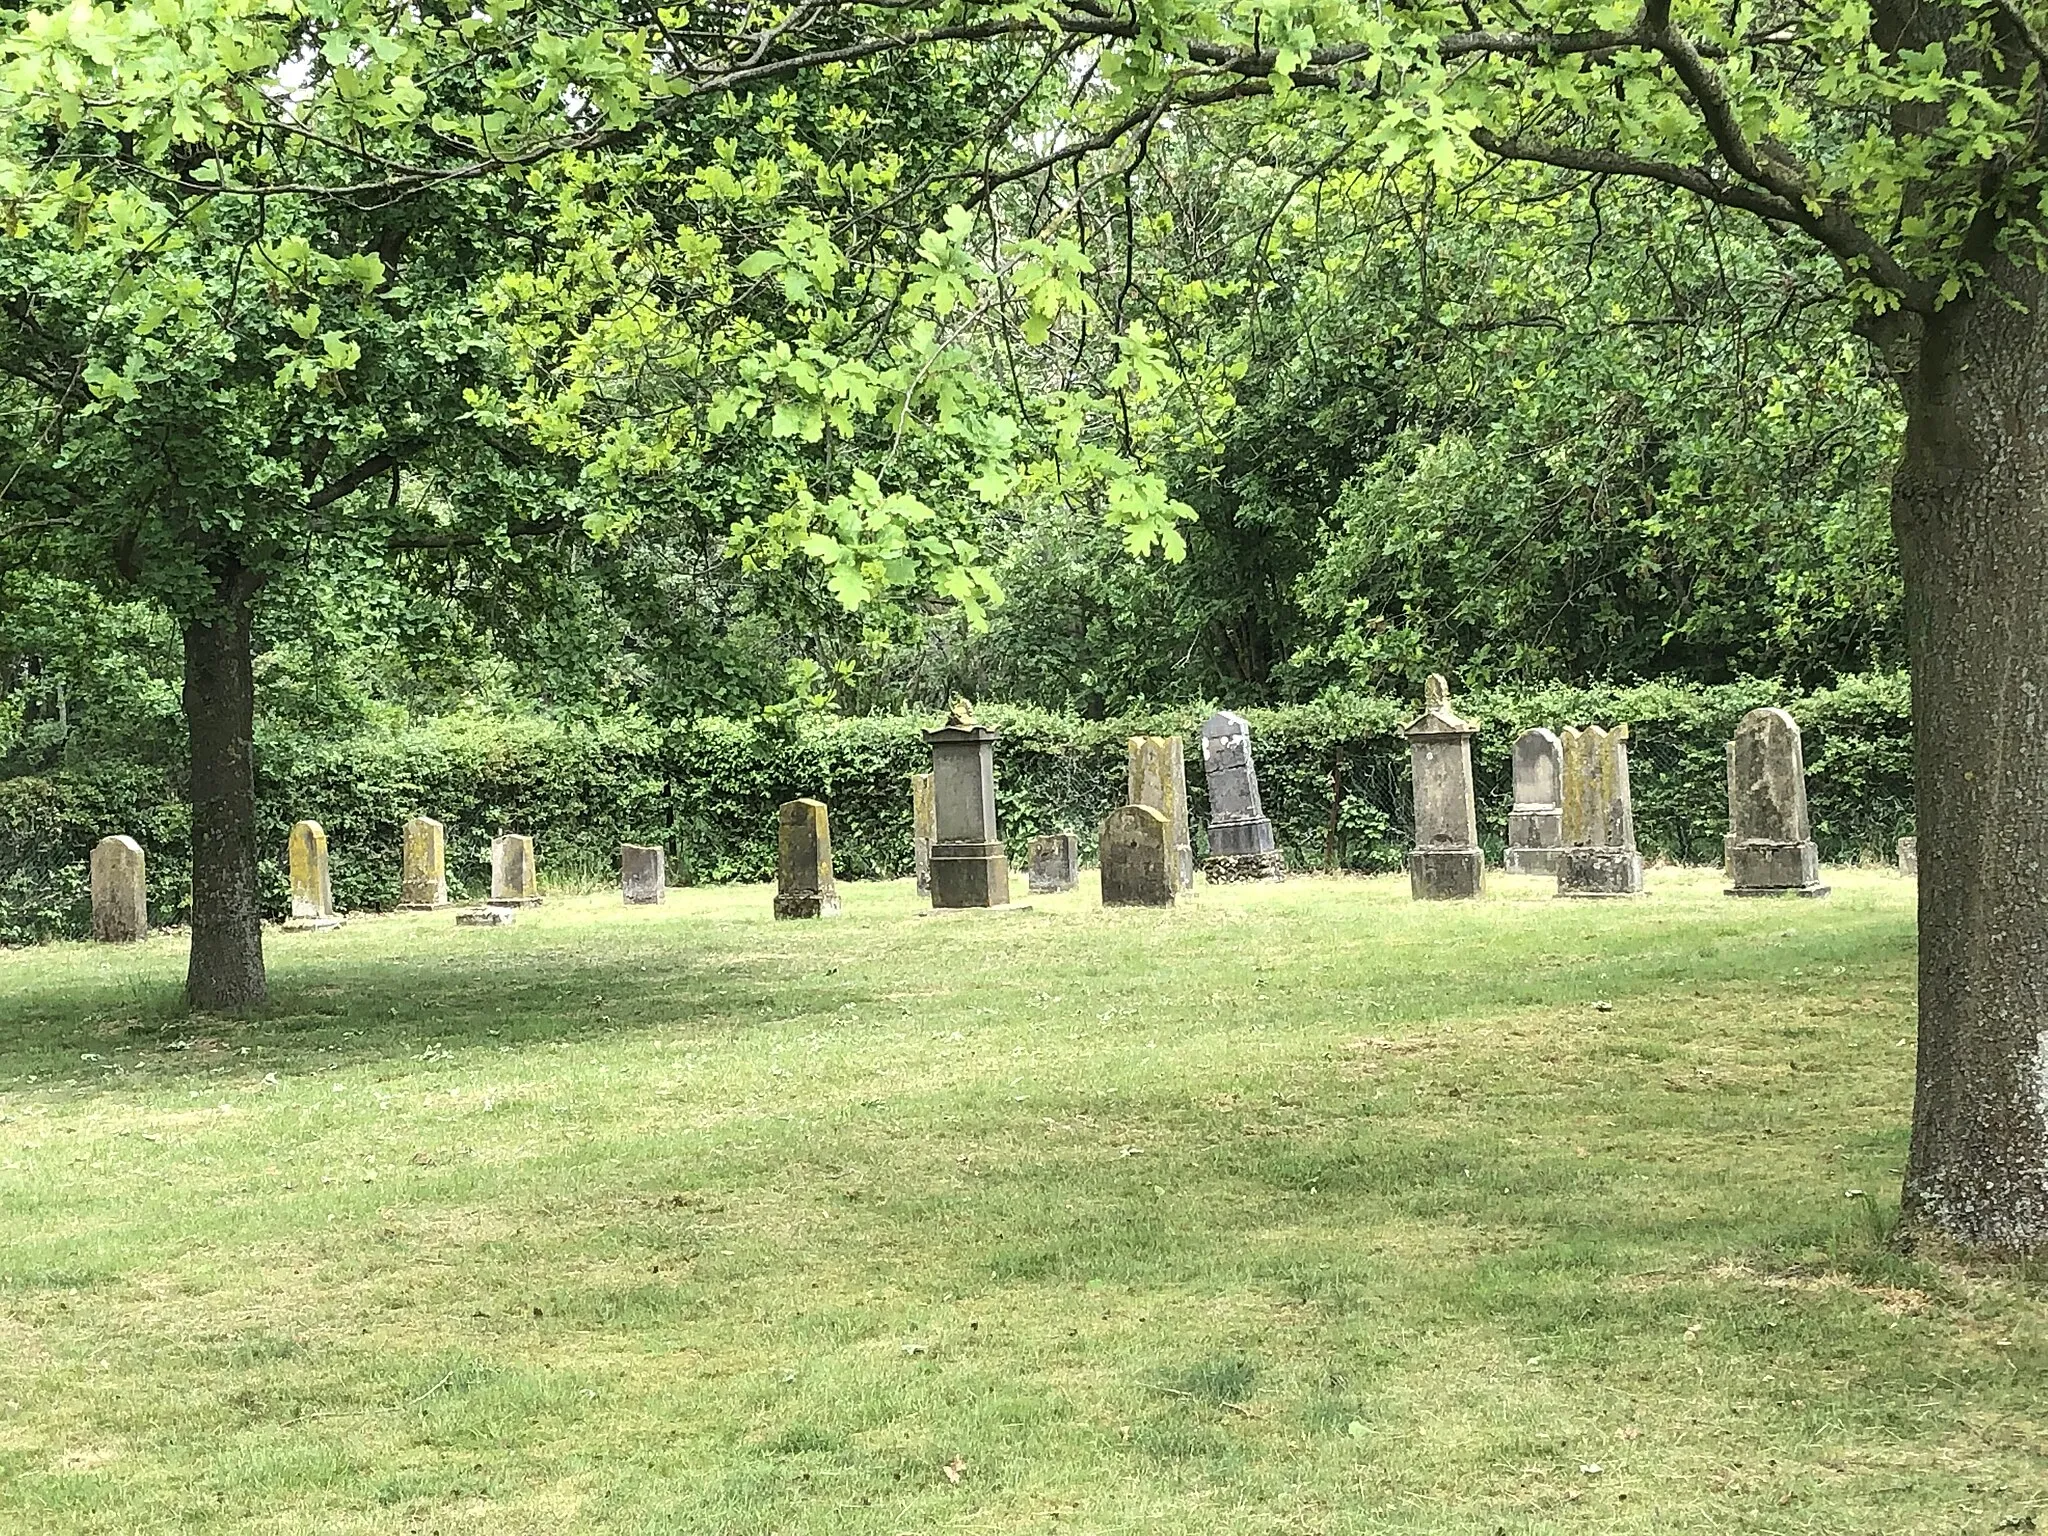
969 865
1770 849
515 879
1909 857
1536 824
120 893
643 874
423 865
1447 864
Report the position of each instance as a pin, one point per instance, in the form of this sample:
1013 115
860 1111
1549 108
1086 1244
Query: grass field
1300 1209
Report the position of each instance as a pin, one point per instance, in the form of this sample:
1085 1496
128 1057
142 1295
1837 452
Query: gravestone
120 896
969 867
1158 777
643 874
1140 861
489 916
423 866
1240 837
515 880
923 829
1770 849
1055 863
1909 857
1598 855
1536 824
1447 864
312 895
804 886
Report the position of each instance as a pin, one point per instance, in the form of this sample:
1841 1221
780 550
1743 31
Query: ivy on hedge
1334 775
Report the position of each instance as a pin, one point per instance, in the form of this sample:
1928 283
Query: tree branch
375 466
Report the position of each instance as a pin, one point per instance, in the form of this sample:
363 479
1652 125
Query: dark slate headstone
1055 863
1240 836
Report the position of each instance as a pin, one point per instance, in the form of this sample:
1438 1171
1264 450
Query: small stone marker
1158 777
312 895
1055 863
423 866
804 886
643 874
120 896
1770 849
1240 837
515 882
1909 857
1447 864
1536 824
1140 862
969 867
487 917
1598 856
924 829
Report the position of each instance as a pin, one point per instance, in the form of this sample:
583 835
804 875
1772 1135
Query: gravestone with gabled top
1447 864
969 866
1770 849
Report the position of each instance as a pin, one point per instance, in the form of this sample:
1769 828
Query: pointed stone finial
1436 693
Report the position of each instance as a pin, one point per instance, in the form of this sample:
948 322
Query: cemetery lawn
1301 1209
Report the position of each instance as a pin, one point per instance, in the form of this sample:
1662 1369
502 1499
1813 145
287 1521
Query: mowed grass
1302 1208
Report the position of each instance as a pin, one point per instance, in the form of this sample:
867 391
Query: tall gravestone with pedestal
1055 863
312 892
643 874
120 895
515 878
1140 862
804 886
1536 824
423 866
1447 864
1598 857
1240 837
1158 777
924 830
1770 849
969 867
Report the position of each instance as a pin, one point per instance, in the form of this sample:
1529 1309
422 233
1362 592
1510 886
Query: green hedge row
1334 775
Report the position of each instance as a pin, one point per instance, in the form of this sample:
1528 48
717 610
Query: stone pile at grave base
120 893
1769 849
1055 863
312 892
1536 824
1157 775
1447 864
515 880
1140 860
969 867
1241 843
804 886
643 874
423 866
1598 856
924 830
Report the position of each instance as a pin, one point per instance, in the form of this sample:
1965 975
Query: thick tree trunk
1970 508
225 973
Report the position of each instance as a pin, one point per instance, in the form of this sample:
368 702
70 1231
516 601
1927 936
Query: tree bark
1970 510
225 972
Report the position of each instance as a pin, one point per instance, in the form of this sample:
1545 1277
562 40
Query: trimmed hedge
1334 776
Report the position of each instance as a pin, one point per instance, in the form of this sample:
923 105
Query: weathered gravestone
1598 857
1158 777
423 866
487 917
1055 863
969 866
804 886
312 894
1447 864
643 874
1909 857
1240 837
924 830
1140 862
515 880
1770 849
120 896
1536 824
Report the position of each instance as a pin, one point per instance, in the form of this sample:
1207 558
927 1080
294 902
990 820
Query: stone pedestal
643 874
1769 849
924 830
1599 872
1055 863
312 893
515 878
969 867
1536 824
423 866
1241 843
120 893
804 886
1140 864
1909 857
1158 777
1447 864
1599 857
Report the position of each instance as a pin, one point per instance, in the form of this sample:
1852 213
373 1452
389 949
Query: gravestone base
1534 839
1530 861
424 906
515 901
1774 869
1236 868
311 924
806 904
970 875
499 914
1599 872
1446 874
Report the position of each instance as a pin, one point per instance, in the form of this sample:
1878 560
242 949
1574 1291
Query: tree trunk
1970 509
225 973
